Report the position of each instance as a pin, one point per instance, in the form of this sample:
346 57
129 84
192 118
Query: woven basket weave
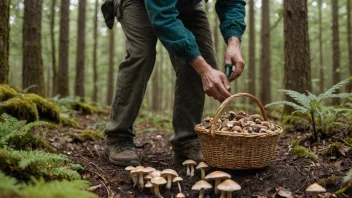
237 151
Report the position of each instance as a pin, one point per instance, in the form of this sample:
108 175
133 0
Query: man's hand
214 82
233 56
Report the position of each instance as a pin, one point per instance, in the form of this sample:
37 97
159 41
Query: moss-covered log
21 108
47 110
6 92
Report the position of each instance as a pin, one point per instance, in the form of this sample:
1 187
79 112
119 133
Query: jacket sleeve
176 38
232 17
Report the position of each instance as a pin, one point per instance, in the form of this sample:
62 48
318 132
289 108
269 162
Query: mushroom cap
189 162
140 169
315 188
201 185
202 165
217 175
167 172
148 185
229 186
129 168
177 179
154 174
148 177
158 181
151 169
180 195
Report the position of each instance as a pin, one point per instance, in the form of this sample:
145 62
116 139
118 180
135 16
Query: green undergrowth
154 122
31 166
304 152
87 135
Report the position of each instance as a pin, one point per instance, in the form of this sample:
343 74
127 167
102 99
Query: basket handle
222 106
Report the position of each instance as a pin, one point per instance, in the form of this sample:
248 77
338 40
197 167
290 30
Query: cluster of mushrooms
240 122
148 177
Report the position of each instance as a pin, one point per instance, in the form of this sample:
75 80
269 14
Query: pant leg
134 72
189 94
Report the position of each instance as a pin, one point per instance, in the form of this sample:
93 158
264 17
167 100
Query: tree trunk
321 62
53 49
335 47
251 51
95 70
349 38
4 40
111 67
81 49
62 84
297 57
265 68
32 70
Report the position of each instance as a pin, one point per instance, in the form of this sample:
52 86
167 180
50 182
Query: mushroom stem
223 194
192 171
156 191
134 178
201 193
202 170
188 170
152 190
141 180
179 186
229 194
169 181
315 194
217 182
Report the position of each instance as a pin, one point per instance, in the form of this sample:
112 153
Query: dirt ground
287 175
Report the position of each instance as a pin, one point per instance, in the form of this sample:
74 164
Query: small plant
303 152
310 104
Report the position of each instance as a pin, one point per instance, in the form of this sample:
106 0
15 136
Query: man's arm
179 41
176 38
232 25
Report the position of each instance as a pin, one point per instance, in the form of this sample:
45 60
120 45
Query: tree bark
321 62
62 84
297 56
32 70
335 47
81 50
111 67
4 40
251 51
53 49
349 39
265 68
95 70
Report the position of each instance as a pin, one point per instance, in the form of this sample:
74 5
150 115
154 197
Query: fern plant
310 104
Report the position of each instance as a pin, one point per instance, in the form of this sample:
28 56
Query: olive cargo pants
134 73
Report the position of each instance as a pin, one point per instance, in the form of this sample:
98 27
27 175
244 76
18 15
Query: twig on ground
93 164
110 194
90 152
102 177
96 150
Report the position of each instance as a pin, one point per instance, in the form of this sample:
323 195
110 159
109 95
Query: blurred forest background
80 55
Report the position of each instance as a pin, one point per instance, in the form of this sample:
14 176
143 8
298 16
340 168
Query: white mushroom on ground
178 180
227 187
201 186
141 171
315 189
217 176
190 167
150 185
169 174
202 166
133 176
156 173
157 181
180 195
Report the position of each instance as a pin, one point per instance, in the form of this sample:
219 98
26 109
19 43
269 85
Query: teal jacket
180 41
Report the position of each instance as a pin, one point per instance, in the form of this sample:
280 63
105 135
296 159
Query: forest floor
286 176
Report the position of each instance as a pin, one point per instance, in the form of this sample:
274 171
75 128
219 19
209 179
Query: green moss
47 110
329 180
303 152
349 141
87 135
69 122
84 108
334 147
7 92
21 108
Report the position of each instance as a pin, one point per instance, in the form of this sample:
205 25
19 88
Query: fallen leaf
282 192
93 188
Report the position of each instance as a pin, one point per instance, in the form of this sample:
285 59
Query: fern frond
63 189
330 91
291 104
341 95
39 158
298 97
31 125
7 184
64 173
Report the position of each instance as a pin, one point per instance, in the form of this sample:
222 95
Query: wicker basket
237 151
